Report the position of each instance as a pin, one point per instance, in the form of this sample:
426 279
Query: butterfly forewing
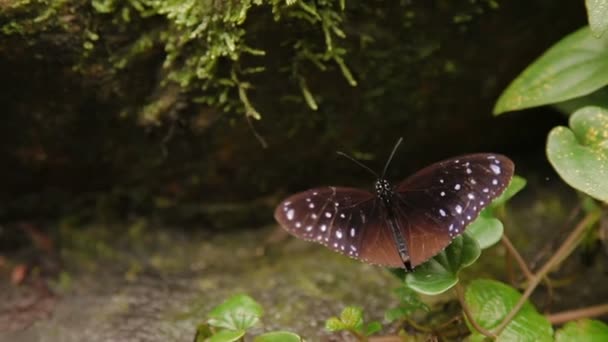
437 203
333 216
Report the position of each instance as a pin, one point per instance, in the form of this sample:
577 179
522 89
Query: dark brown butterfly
403 225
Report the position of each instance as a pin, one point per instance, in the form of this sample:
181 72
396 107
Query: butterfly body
402 225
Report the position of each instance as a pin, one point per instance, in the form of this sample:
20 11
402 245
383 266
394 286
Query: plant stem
468 315
564 250
515 254
565 316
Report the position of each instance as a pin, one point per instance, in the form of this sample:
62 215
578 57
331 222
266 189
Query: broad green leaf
486 229
597 12
490 301
577 65
278 336
580 154
441 272
226 336
239 312
583 331
409 302
598 98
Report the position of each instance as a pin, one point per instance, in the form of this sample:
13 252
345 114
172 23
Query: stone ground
158 284
142 282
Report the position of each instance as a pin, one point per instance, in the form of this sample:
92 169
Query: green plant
351 320
230 321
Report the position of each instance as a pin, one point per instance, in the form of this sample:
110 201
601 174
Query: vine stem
469 316
565 316
564 250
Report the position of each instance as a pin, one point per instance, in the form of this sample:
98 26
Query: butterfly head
384 189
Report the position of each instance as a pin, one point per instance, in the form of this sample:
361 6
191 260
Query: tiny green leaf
372 328
580 154
352 317
441 272
278 336
239 312
226 336
490 301
583 331
597 12
575 66
334 324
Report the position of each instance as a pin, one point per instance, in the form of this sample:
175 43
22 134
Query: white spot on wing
442 212
352 232
323 227
339 234
290 214
495 168
457 187
458 209
328 214
311 205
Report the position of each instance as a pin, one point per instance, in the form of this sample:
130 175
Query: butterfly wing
435 205
347 220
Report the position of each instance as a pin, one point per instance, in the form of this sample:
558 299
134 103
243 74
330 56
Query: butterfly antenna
358 163
388 162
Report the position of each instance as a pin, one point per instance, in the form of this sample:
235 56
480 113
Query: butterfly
400 225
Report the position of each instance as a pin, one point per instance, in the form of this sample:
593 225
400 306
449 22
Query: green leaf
409 302
580 154
598 98
490 301
577 65
334 324
583 331
372 328
226 336
351 318
486 229
597 12
239 312
441 272
203 332
516 185
278 336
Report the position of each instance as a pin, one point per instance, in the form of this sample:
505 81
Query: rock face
113 102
